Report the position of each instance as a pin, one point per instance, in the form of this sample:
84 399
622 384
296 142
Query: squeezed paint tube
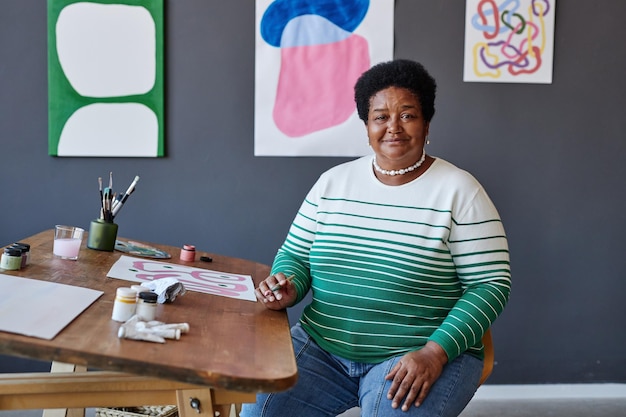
130 333
152 331
166 333
183 327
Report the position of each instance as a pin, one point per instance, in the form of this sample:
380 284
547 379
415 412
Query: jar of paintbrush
103 231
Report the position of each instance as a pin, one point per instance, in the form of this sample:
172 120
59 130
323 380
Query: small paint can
147 305
11 259
188 253
25 247
125 304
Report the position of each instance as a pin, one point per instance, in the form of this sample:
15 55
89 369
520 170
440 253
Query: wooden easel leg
195 403
65 412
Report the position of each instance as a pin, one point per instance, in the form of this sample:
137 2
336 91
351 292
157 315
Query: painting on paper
105 78
309 54
509 41
193 279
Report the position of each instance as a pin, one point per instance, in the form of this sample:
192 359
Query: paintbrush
278 286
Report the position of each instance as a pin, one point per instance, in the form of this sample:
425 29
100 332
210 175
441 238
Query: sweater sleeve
293 255
479 248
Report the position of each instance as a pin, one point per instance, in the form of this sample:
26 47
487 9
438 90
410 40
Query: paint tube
183 327
130 333
160 330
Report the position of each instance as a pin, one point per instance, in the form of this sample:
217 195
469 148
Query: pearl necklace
399 171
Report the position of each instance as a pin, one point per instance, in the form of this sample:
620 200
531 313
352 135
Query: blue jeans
329 385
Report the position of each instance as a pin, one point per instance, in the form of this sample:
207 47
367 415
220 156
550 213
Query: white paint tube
130 333
168 333
183 327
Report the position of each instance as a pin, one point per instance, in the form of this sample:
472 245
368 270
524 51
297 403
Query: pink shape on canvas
316 85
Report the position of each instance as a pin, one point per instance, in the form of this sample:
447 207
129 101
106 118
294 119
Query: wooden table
234 349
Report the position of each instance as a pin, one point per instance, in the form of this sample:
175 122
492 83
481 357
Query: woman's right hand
282 297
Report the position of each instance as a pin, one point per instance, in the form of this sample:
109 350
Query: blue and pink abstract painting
309 54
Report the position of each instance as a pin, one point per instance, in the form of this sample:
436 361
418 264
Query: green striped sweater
392 267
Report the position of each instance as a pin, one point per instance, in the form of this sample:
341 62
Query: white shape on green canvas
110 129
107 50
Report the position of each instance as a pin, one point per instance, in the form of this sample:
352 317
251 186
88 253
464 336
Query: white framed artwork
509 41
309 55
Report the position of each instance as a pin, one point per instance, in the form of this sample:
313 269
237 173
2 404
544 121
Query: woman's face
396 128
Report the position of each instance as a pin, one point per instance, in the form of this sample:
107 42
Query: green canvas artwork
105 78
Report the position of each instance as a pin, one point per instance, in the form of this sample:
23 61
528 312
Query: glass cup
67 240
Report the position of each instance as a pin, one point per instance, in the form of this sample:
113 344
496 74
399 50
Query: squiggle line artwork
509 41
194 279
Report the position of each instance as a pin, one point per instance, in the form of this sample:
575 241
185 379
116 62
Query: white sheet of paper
194 279
40 308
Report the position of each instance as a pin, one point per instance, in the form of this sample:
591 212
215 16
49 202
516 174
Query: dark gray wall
552 158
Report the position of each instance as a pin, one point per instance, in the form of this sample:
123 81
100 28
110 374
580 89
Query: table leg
65 412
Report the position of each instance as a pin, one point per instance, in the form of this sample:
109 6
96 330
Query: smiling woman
397 104
397 133
408 264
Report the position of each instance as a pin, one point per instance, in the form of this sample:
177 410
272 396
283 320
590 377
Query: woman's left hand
415 374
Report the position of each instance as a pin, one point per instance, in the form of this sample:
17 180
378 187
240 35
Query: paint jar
102 235
188 253
11 259
22 254
125 304
147 305
25 252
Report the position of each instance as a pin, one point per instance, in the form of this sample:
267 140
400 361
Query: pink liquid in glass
66 248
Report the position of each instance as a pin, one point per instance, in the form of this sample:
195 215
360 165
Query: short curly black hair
402 73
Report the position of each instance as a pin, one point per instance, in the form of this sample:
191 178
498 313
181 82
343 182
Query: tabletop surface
232 344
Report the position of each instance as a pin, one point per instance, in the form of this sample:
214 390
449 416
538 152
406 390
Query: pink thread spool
188 253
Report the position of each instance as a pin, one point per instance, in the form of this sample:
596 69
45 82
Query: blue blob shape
346 14
311 30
